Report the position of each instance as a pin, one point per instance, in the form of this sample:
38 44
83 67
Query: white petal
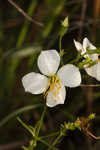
93 56
35 83
89 45
98 71
48 62
91 70
94 71
79 46
59 99
69 75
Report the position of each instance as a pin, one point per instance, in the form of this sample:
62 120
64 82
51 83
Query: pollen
54 85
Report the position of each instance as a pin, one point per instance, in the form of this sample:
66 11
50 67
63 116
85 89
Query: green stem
60 39
39 124
59 5
61 51
76 59
52 134
25 27
17 112
44 142
55 141
81 64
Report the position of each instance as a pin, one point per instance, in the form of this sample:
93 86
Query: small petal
35 83
69 75
94 71
91 71
48 62
59 99
79 46
89 45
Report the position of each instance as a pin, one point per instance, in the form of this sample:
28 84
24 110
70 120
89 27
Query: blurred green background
20 44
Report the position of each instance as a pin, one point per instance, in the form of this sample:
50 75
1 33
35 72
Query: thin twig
24 14
90 85
93 136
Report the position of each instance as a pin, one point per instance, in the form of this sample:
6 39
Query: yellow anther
54 85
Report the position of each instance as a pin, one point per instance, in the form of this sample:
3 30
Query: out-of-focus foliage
20 44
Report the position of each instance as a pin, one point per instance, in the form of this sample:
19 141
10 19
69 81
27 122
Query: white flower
52 83
94 70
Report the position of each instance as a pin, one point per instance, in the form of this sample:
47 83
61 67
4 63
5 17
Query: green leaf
22 52
17 112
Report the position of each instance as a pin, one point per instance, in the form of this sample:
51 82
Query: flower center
54 85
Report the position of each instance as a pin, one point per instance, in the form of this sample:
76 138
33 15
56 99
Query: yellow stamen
54 85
